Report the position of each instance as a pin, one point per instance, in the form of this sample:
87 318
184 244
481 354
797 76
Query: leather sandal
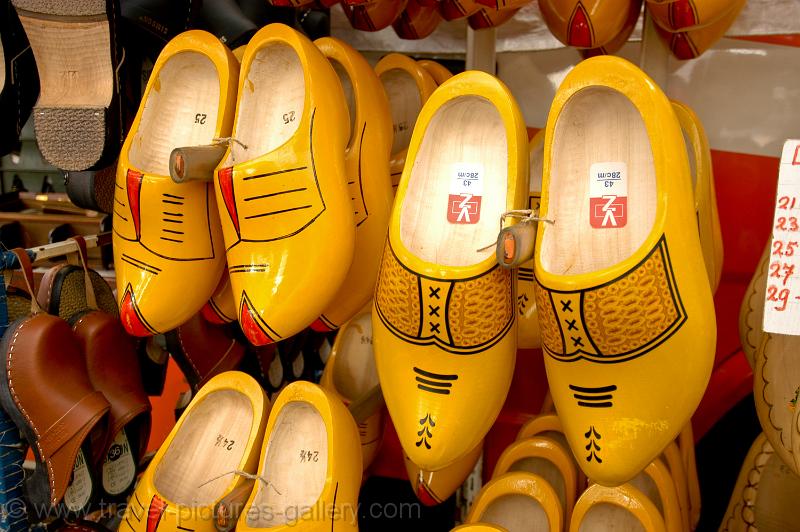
59 423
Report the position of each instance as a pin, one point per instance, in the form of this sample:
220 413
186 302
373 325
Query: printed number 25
288 117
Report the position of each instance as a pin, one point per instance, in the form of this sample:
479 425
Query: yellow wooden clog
408 86
479 527
673 458
287 219
766 493
168 249
367 169
219 434
625 308
686 447
546 458
616 43
528 335
685 15
623 508
444 317
310 469
517 502
221 307
435 487
585 23
751 313
658 485
691 43
705 196
438 72
776 385
350 374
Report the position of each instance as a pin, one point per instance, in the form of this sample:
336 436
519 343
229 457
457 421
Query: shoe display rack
322 265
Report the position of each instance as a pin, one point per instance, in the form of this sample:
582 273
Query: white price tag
782 297
608 195
466 192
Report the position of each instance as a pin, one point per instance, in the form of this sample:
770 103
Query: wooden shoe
373 15
221 307
438 72
657 484
78 115
457 9
766 493
673 458
616 43
548 459
517 502
605 318
751 313
443 320
585 23
366 162
528 335
685 15
488 17
503 4
310 469
167 240
776 384
705 197
408 86
692 43
686 447
418 20
435 487
620 508
548 425
218 435
282 191
479 527
350 374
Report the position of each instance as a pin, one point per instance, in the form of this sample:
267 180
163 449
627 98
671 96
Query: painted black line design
172 221
118 214
140 262
257 176
173 232
165 213
171 240
425 433
593 447
172 202
277 212
172 196
143 268
262 196
594 397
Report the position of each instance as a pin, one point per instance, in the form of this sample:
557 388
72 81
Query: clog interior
349 94
271 102
181 110
72 59
405 103
516 513
647 485
294 469
777 498
197 467
605 516
467 130
581 138
545 469
536 161
355 372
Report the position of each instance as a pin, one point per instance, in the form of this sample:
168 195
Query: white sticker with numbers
466 191
782 297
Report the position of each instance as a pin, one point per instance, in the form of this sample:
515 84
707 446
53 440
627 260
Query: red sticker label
463 209
608 211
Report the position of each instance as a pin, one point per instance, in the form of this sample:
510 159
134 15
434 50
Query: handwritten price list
782 297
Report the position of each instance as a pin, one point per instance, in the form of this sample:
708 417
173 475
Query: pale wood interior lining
516 513
782 372
73 60
607 517
596 125
210 443
295 481
355 372
690 153
349 95
405 103
778 498
181 110
467 129
548 471
536 162
645 483
271 103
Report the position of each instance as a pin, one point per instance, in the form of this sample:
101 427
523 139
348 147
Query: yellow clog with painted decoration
350 374
625 307
518 501
168 249
705 196
221 308
623 507
408 86
287 218
310 469
367 169
219 433
435 487
585 23
692 43
444 322
528 336
685 15
438 71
